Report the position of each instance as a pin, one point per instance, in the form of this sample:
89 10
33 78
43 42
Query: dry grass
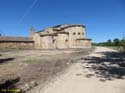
38 67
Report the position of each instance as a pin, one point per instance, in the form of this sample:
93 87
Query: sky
104 19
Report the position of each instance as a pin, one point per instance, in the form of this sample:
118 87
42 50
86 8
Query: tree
122 42
116 42
109 42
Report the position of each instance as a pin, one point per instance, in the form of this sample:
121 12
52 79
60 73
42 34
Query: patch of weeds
30 61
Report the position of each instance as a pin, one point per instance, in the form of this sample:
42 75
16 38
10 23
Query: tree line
115 42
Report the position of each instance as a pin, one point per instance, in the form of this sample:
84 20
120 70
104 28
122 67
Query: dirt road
75 80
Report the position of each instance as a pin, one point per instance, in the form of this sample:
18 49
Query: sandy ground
74 80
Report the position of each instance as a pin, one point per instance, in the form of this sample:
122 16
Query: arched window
66 40
82 33
74 33
53 41
79 33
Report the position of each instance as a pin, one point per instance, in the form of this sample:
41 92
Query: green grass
30 61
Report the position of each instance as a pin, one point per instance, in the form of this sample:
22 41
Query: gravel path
75 81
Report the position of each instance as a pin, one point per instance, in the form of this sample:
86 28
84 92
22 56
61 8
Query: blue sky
104 19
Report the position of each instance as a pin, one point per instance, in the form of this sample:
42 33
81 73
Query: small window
66 40
53 41
74 33
79 33
82 33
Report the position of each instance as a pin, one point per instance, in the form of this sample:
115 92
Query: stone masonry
61 37
56 37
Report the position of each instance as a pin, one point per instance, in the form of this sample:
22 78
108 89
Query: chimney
32 31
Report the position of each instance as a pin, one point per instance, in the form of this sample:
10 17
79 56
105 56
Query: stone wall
74 34
72 37
63 40
46 42
7 44
86 43
37 40
54 42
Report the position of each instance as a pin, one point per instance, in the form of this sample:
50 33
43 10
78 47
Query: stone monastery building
56 37
61 36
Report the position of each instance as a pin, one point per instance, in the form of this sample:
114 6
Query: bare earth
27 68
75 80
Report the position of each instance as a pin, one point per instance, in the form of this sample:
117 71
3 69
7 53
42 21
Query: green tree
122 42
116 42
109 43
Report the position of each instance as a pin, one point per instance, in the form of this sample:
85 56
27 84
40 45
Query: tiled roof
15 39
84 39
54 34
63 32
62 27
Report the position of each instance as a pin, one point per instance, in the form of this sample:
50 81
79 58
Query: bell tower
31 31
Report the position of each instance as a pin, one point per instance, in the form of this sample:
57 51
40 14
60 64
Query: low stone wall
8 44
86 43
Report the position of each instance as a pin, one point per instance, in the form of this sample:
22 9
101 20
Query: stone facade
20 45
57 37
62 37
16 42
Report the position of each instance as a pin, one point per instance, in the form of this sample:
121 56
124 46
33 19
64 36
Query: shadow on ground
10 86
6 60
9 83
110 66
